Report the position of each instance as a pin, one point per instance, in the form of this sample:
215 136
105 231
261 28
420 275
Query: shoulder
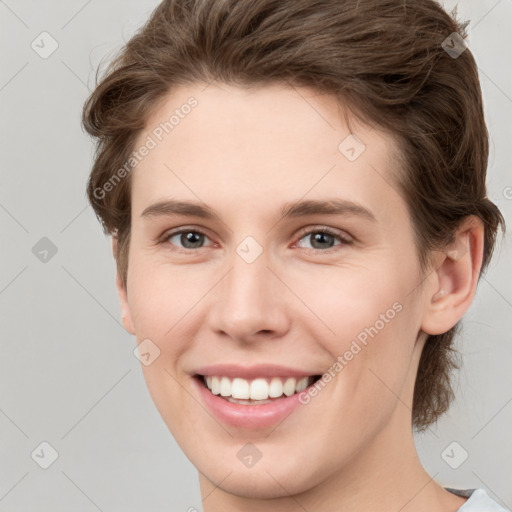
478 501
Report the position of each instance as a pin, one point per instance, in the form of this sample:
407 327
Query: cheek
352 303
370 368
162 297
369 326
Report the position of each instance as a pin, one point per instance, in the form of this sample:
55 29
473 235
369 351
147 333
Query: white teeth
260 389
302 384
275 388
239 388
225 387
215 385
289 386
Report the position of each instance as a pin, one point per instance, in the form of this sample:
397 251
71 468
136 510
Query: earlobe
126 316
452 285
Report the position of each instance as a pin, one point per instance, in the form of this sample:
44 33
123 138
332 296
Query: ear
126 315
452 284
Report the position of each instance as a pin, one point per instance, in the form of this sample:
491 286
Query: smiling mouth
257 391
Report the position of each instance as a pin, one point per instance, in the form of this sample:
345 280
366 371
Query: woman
296 193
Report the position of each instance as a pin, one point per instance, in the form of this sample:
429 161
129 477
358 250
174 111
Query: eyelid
342 235
344 240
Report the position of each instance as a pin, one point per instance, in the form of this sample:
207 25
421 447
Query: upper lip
252 372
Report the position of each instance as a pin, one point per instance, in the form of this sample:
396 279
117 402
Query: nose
250 302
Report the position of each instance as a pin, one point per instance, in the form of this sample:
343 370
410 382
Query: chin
258 483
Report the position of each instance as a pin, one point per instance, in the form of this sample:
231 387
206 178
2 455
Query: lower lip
247 416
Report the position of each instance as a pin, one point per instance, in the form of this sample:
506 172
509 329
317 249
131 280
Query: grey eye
188 239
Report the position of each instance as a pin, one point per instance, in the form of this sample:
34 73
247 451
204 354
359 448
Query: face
269 246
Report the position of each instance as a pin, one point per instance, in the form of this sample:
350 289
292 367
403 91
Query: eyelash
307 231
328 231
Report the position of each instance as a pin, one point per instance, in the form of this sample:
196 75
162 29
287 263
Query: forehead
227 144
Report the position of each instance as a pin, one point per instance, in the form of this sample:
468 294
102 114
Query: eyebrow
295 209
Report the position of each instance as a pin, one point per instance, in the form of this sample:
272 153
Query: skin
245 153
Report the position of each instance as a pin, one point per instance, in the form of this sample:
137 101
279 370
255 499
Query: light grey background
68 374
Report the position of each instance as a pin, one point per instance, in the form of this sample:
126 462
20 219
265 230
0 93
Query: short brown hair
384 59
